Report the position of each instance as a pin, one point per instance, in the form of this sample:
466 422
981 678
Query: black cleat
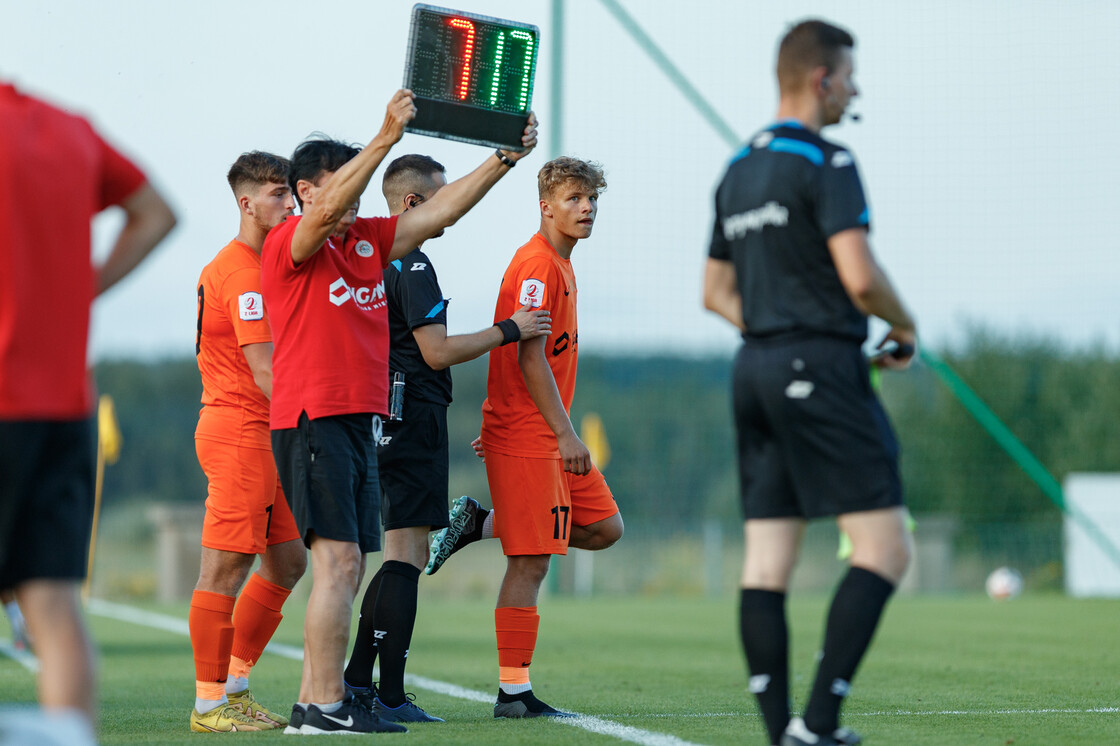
350 718
798 735
408 712
466 520
525 705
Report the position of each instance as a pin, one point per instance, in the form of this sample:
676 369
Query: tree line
668 423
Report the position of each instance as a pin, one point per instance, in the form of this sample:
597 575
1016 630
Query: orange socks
254 621
516 628
227 640
211 628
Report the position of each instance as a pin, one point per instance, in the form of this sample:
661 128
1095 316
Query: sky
986 148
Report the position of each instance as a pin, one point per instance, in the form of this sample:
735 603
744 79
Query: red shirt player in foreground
547 494
322 279
56 173
246 513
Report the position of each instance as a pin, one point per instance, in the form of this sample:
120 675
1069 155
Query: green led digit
523 100
499 54
497 69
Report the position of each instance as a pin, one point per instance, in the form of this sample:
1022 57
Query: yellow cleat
224 719
247 705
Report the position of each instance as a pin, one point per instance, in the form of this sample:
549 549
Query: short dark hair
808 45
256 168
407 175
560 171
317 155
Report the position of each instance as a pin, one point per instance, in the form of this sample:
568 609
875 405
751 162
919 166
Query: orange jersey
511 423
231 314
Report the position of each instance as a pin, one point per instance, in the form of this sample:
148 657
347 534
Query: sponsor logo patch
532 293
738 225
250 306
365 298
841 158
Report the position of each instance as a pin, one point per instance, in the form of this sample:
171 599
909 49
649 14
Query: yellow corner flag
108 431
594 436
108 451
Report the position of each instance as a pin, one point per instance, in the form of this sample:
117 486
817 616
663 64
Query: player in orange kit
547 494
246 513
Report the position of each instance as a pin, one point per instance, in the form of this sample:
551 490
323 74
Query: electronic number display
472 76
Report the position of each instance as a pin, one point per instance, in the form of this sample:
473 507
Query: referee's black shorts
413 459
328 470
46 499
813 438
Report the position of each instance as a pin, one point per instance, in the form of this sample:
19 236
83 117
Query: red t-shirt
56 173
511 422
330 322
231 315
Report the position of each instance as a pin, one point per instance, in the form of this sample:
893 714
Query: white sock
235 684
488 526
331 707
516 688
203 706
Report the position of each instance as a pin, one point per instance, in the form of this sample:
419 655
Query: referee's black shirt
782 197
415 300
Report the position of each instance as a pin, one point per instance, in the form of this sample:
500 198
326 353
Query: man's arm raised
345 186
454 200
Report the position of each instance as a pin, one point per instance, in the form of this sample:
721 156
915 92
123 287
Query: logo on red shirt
365 298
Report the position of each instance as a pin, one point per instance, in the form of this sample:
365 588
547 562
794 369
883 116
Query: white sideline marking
179 626
911 713
25 658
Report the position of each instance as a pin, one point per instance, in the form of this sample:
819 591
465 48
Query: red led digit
468 52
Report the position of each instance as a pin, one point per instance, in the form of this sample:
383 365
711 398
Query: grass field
1042 669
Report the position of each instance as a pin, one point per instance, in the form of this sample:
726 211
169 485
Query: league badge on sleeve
532 293
251 306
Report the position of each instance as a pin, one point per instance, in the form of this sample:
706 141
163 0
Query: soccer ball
1004 583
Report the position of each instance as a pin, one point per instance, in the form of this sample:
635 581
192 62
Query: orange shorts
245 508
536 502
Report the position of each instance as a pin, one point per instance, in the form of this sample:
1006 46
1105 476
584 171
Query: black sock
359 671
762 627
856 609
396 615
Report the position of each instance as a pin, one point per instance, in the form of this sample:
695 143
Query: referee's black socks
395 616
359 671
856 609
762 627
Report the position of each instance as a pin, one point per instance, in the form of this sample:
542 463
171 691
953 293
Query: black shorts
328 470
813 438
46 499
413 460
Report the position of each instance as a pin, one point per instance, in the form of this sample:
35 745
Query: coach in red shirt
321 276
56 173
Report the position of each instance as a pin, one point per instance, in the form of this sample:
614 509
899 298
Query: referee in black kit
413 455
790 266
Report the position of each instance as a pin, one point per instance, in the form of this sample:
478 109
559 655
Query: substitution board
472 76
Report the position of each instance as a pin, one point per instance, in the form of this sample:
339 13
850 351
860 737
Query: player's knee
888 559
605 533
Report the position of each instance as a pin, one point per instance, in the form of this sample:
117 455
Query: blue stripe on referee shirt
786 145
865 216
396 263
436 309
